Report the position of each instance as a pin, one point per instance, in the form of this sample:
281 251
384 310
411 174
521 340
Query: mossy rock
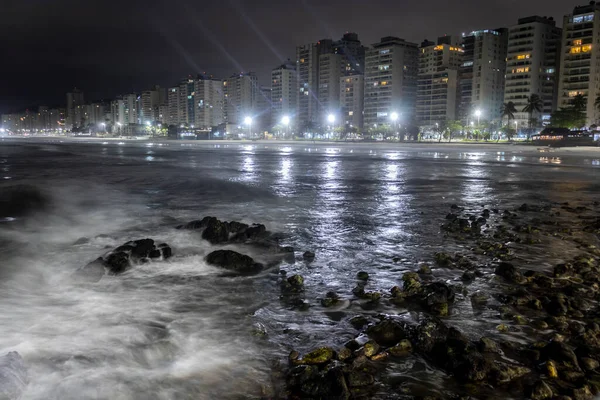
321 355
403 348
362 275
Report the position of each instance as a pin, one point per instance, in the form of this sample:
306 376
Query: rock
425 269
360 379
403 348
504 373
122 258
296 280
502 328
436 296
216 231
583 393
412 283
520 320
359 321
362 275
589 364
370 348
380 356
479 298
234 261
301 374
344 354
509 272
318 356
487 345
561 353
13 376
330 299
551 369
443 259
308 256
557 305
539 324
541 391
386 332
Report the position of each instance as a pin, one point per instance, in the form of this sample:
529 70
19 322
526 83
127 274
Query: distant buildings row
343 83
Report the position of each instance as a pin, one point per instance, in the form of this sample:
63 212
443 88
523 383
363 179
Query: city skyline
110 50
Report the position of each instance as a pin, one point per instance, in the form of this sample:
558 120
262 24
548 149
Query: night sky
110 47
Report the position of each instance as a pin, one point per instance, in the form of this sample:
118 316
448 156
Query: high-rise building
352 95
331 67
131 108
150 101
283 91
94 114
307 67
118 116
187 102
580 59
74 116
438 85
353 53
209 99
482 74
391 68
174 112
241 92
532 66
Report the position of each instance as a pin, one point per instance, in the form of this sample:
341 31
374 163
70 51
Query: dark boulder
436 296
122 258
387 332
509 272
216 231
234 261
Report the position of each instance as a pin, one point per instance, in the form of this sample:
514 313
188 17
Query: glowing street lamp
331 118
478 115
248 121
286 122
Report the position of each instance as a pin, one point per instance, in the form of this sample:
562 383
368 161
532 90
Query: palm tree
534 104
509 110
579 103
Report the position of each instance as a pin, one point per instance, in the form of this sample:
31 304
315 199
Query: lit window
350 113
523 56
575 50
386 51
439 47
302 60
383 83
550 70
586 48
574 93
521 70
577 42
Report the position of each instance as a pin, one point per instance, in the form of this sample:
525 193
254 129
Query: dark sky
109 47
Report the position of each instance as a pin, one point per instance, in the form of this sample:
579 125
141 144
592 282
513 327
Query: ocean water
180 329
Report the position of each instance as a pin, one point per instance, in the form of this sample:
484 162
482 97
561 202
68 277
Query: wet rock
443 259
557 305
293 284
360 379
479 298
502 328
122 258
412 283
359 321
509 272
370 348
403 348
589 364
468 276
318 356
504 373
541 391
301 374
583 393
344 354
308 256
13 376
362 275
216 231
436 296
539 324
425 269
331 299
380 356
487 345
387 332
234 261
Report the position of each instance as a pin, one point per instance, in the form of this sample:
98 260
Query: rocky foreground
556 308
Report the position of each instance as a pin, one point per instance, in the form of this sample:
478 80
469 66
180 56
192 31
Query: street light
286 122
478 115
331 120
248 121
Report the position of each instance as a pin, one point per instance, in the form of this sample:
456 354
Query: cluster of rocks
213 230
557 309
124 257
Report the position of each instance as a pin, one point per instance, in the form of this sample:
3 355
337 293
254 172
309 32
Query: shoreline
485 146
